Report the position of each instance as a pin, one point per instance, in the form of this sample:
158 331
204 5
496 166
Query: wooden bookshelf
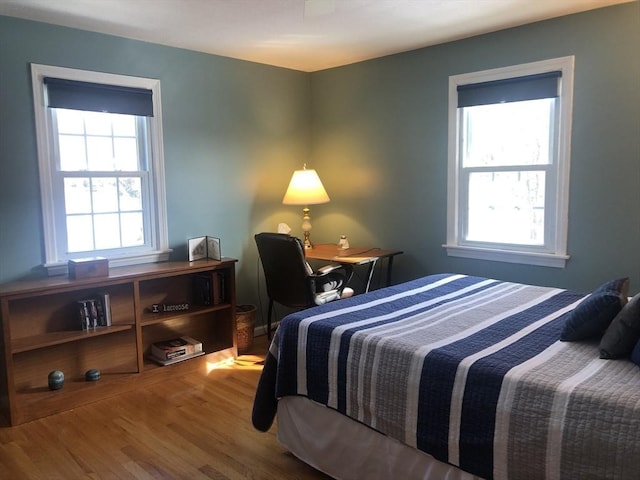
41 332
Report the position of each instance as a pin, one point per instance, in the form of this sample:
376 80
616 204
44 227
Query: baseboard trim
262 329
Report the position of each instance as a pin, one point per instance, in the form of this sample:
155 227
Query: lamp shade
305 188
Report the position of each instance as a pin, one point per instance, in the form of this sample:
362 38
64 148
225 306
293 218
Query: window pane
132 229
79 233
73 157
124 125
130 194
100 154
125 154
515 133
77 195
506 207
107 230
105 194
69 121
97 123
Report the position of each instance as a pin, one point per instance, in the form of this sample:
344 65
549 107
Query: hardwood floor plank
197 426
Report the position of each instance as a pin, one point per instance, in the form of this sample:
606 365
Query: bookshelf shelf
57 338
42 332
153 318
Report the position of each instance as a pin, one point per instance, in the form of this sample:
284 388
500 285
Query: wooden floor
198 426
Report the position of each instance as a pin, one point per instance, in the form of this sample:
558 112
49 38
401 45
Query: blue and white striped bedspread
471 371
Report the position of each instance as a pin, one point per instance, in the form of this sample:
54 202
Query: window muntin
509 163
101 174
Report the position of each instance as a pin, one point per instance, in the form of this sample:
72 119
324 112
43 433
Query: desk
330 252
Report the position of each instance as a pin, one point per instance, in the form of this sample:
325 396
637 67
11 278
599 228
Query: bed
452 377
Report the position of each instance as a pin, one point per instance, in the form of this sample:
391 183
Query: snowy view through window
103 177
506 160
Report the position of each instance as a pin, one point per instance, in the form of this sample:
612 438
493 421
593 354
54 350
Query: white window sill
60 268
509 256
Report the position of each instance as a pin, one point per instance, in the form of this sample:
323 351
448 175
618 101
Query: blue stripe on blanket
477 424
483 385
287 378
319 336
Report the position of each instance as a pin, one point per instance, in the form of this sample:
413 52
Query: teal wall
233 133
384 123
376 132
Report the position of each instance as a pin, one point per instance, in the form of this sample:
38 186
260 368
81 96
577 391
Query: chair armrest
328 269
325 273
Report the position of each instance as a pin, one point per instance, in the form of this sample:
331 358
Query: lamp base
306 228
306 242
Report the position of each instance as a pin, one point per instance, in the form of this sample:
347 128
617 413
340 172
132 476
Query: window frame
554 252
55 258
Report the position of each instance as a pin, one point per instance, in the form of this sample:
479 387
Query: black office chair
291 281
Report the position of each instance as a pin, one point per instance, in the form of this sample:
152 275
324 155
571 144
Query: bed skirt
324 439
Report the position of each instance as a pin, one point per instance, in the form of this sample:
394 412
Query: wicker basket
245 324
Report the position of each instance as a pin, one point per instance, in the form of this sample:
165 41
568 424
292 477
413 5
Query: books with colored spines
176 349
95 312
84 314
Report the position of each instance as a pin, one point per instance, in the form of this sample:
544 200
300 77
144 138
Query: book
203 289
93 312
204 247
216 288
106 309
175 359
84 314
100 314
223 287
174 348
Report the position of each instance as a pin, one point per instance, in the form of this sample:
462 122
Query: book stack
94 312
175 350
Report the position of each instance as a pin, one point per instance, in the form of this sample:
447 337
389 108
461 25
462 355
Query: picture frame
204 248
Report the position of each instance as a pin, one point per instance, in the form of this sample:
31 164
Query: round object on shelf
56 380
92 375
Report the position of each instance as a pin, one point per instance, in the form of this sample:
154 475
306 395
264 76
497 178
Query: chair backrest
285 270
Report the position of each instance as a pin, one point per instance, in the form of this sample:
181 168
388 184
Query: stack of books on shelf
95 312
175 350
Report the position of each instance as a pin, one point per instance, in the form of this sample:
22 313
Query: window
101 166
509 145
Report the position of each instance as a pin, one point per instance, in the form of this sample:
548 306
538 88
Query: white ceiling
305 35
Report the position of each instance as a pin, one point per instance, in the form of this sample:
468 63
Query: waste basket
245 324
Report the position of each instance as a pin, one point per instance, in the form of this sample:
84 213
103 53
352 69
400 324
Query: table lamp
305 188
